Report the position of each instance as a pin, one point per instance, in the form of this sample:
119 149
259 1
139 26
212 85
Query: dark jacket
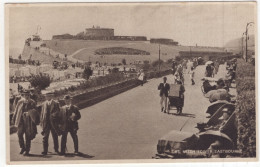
164 89
31 119
67 123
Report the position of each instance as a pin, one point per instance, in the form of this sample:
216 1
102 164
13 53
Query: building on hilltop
98 33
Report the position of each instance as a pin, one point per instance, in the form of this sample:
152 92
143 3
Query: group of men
59 121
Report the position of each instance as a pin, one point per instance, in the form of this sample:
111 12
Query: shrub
245 108
40 81
244 84
246 119
244 69
87 73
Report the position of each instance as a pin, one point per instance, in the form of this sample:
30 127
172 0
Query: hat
67 97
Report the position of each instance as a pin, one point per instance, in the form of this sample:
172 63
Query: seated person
222 122
221 84
207 86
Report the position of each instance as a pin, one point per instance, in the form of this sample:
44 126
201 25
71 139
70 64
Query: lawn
85 50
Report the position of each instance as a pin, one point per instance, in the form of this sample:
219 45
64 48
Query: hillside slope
37 55
85 50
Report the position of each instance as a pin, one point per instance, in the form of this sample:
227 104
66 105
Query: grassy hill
36 55
85 50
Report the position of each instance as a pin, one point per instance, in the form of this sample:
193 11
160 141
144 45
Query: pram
176 98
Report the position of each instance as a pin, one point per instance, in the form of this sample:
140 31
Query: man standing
164 90
22 109
70 117
33 96
49 122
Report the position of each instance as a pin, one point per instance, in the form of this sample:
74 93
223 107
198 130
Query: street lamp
159 57
250 23
242 49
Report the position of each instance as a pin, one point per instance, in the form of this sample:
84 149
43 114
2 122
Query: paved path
128 126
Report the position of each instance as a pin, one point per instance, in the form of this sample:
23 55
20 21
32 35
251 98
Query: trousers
21 132
74 136
163 101
46 138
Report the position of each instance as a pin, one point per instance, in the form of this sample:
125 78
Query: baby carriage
176 97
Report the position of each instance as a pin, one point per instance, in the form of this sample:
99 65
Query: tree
146 66
178 58
146 61
115 70
87 73
156 63
80 35
123 61
40 82
169 61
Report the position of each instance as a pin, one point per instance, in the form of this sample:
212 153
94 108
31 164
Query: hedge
245 109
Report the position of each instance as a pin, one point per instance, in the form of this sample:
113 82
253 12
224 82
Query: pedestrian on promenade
22 119
174 67
212 70
49 122
192 73
181 93
164 90
70 116
141 77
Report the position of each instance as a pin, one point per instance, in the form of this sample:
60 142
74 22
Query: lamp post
159 58
250 23
242 45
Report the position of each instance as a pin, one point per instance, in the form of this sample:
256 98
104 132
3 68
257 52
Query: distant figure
141 77
192 73
174 67
208 72
164 91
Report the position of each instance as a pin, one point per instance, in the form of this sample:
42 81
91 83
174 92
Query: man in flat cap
70 118
20 120
49 121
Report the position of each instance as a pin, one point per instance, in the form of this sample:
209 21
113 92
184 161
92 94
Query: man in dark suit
70 117
164 90
49 122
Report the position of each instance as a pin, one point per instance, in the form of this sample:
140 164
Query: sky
204 24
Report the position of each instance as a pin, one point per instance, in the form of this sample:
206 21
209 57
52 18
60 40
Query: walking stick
185 123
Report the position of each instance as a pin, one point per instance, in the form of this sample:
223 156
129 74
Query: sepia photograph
155 82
